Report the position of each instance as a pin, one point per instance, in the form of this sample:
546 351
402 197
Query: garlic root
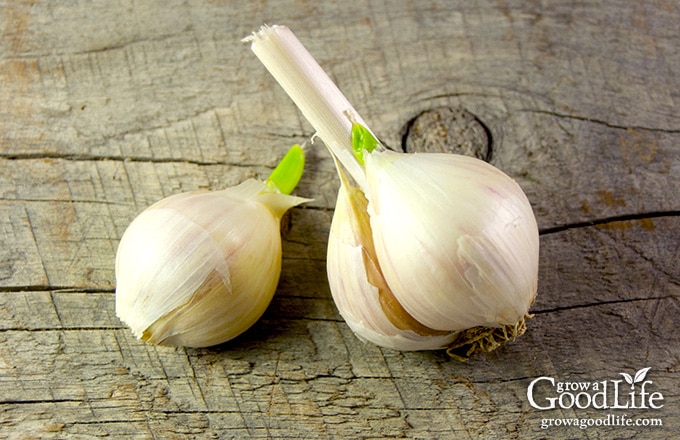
484 339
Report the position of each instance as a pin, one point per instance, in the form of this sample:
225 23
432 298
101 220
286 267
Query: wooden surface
106 107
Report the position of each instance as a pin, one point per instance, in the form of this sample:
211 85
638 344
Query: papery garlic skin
456 239
199 268
357 284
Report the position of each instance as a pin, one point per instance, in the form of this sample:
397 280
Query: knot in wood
447 130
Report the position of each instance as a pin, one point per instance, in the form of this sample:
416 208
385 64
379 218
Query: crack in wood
603 122
54 289
458 95
607 220
59 329
104 158
601 303
40 401
88 201
111 421
123 45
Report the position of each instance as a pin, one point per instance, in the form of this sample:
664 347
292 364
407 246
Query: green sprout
287 173
362 139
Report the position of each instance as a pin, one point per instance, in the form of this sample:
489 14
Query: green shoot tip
362 139
287 173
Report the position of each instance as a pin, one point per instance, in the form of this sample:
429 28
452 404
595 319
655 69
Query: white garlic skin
356 281
456 242
199 268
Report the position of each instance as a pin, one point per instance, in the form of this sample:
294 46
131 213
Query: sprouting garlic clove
415 260
456 238
199 268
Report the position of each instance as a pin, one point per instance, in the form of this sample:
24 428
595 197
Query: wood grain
106 107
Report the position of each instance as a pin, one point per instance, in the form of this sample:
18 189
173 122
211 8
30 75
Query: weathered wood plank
286 372
107 107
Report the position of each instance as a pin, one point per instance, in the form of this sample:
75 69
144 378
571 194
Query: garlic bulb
199 268
450 240
428 250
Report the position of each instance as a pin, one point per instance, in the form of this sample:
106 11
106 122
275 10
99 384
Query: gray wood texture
106 107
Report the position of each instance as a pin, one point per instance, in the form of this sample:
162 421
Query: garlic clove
441 251
358 287
456 238
199 268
